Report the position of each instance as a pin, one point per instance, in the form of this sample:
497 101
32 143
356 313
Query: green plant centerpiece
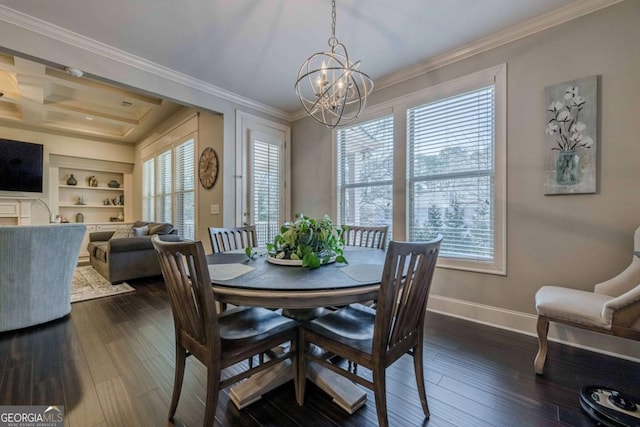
314 242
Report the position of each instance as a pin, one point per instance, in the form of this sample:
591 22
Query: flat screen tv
21 166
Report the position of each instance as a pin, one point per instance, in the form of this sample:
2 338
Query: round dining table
303 294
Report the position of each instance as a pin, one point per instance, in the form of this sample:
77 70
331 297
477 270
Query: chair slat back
368 237
232 238
186 275
404 291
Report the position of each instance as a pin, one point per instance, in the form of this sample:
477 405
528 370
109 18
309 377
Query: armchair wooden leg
543 330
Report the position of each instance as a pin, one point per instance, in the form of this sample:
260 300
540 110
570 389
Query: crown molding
60 34
527 28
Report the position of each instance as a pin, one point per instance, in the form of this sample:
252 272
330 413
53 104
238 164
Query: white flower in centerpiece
552 128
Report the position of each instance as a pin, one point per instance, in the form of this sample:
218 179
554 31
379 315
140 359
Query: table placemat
228 271
363 272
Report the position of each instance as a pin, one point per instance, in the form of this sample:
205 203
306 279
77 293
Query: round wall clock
208 168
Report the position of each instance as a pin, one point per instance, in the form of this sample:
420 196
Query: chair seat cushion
572 305
351 325
250 322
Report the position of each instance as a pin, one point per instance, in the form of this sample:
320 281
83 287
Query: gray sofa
125 258
36 269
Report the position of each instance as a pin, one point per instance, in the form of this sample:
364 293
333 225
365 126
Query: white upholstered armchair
612 308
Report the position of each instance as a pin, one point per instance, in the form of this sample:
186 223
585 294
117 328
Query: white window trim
496 75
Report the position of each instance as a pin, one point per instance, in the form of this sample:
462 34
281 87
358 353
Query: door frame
245 123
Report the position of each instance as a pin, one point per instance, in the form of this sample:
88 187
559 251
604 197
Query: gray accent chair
612 308
126 258
37 263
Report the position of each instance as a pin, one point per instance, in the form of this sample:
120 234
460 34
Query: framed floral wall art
571 131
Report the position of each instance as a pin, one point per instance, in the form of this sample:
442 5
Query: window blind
365 173
266 190
184 189
163 187
148 190
451 173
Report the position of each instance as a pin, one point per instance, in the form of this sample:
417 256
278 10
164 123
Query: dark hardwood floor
110 363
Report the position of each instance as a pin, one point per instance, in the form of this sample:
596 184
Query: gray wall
576 240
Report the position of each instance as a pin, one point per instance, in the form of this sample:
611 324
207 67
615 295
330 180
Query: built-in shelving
101 203
98 216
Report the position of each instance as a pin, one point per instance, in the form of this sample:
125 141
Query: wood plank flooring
110 363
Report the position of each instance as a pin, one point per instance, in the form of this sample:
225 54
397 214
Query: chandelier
331 88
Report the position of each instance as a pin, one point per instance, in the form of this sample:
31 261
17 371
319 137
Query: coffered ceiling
46 98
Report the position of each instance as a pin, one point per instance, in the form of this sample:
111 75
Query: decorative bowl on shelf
113 184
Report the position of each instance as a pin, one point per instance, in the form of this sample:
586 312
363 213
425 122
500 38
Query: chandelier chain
333 41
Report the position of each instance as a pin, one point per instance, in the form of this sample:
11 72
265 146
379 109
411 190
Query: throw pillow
140 231
160 228
121 232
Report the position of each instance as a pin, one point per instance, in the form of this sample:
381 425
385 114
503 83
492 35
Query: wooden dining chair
364 237
232 238
216 341
375 339
368 237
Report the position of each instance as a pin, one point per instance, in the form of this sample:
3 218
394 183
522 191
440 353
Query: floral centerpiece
314 242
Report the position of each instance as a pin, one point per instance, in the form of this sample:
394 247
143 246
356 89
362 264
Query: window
148 190
168 184
365 173
456 173
449 142
451 173
184 195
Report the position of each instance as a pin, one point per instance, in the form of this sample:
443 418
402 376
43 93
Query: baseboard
525 323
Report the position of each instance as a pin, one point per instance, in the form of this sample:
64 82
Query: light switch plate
215 209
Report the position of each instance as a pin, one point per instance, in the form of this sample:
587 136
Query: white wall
576 240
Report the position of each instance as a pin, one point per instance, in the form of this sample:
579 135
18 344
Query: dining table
303 294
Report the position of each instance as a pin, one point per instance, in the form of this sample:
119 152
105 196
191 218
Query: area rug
89 284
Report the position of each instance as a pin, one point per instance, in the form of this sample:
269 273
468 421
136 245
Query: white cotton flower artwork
571 121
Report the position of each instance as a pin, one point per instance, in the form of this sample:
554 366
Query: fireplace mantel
16 210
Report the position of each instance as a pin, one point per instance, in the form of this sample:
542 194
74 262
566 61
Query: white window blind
265 175
451 173
168 187
365 173
148 193
163 187
184 190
